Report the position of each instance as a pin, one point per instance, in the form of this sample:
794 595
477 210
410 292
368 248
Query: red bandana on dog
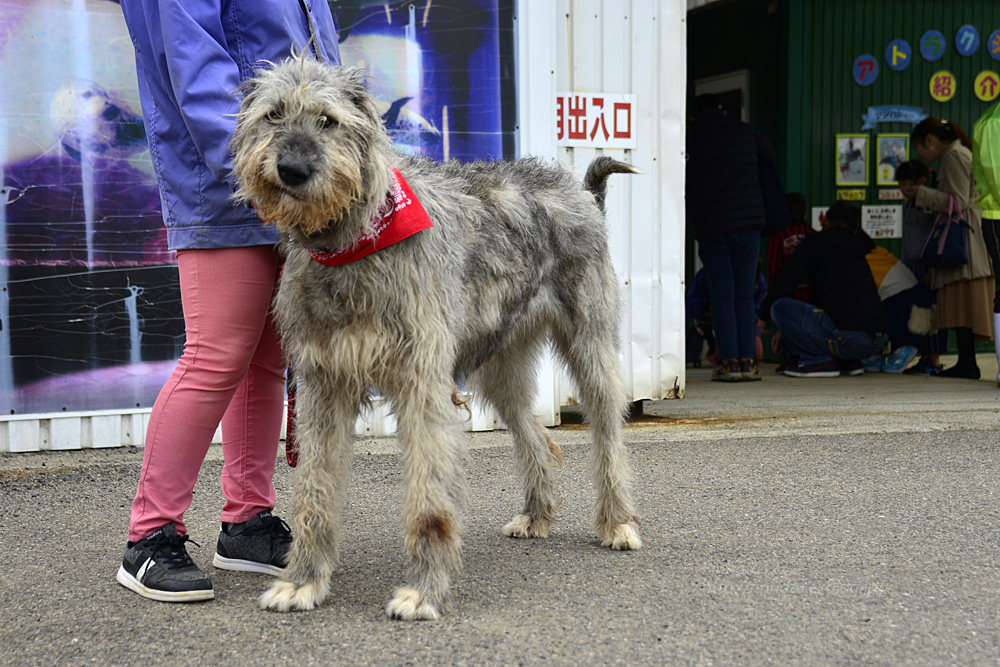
401 217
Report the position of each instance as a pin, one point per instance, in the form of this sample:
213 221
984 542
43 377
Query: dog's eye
273 116
326 122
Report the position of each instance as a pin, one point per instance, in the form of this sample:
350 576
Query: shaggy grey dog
517 256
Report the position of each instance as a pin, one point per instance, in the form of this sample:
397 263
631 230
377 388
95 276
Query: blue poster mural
90 315
439 68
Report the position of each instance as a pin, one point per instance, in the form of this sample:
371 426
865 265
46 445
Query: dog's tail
596 179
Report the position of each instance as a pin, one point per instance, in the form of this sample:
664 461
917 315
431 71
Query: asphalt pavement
851 520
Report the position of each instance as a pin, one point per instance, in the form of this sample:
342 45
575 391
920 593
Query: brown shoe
727 371
749 371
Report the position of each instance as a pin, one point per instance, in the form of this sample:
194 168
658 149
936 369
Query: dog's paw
523 526
624 536
408 604
286 596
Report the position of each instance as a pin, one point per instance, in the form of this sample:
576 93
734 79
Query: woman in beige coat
964 293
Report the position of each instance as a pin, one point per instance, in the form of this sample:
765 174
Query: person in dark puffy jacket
846 321
732 188
191 56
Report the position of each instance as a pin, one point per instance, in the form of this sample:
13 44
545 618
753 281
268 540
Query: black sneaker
851 367
923 367
259 544
158 567
968 372
825 369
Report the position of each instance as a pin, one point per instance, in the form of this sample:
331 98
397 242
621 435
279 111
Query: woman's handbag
947 244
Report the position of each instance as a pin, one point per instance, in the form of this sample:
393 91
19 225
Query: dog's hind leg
325 433
434 493
590 348
507 381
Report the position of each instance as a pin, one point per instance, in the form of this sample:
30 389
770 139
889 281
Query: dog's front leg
434 492
326 416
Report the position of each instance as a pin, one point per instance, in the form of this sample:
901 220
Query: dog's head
309 150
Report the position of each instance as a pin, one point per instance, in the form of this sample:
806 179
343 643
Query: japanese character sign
993 45
596 120
932 45
967 40
942 86
987 86
865 70
882 222
898 54
891 114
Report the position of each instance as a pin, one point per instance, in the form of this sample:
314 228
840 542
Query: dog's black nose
293 172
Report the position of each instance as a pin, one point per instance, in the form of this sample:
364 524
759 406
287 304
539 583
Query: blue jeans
810 335
731 269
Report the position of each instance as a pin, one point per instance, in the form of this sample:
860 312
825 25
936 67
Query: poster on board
883 222
852 159
892 150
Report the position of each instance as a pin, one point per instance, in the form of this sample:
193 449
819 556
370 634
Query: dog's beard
308 210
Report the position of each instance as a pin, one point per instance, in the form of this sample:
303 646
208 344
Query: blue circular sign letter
967 40
898 54
932 45
993 45
865 70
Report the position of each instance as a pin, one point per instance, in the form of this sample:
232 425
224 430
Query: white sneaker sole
812 374
237 565
133 584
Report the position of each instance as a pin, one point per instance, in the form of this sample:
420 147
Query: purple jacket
191 56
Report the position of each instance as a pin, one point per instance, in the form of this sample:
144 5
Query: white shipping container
635 48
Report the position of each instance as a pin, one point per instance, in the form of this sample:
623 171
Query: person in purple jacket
191 56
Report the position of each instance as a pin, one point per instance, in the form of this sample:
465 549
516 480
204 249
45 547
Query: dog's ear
246 92
248 87
356 86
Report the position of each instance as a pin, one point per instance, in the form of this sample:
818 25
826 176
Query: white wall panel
21 436
65 433
62 431
636 47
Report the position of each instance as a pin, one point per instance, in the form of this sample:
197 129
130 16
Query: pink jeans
232 371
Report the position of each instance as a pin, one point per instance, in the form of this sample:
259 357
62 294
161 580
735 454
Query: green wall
822 39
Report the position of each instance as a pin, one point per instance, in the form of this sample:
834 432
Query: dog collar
401 217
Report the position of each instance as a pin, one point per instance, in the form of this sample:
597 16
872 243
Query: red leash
291 447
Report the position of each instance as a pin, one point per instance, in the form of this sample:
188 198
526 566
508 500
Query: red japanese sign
596 120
